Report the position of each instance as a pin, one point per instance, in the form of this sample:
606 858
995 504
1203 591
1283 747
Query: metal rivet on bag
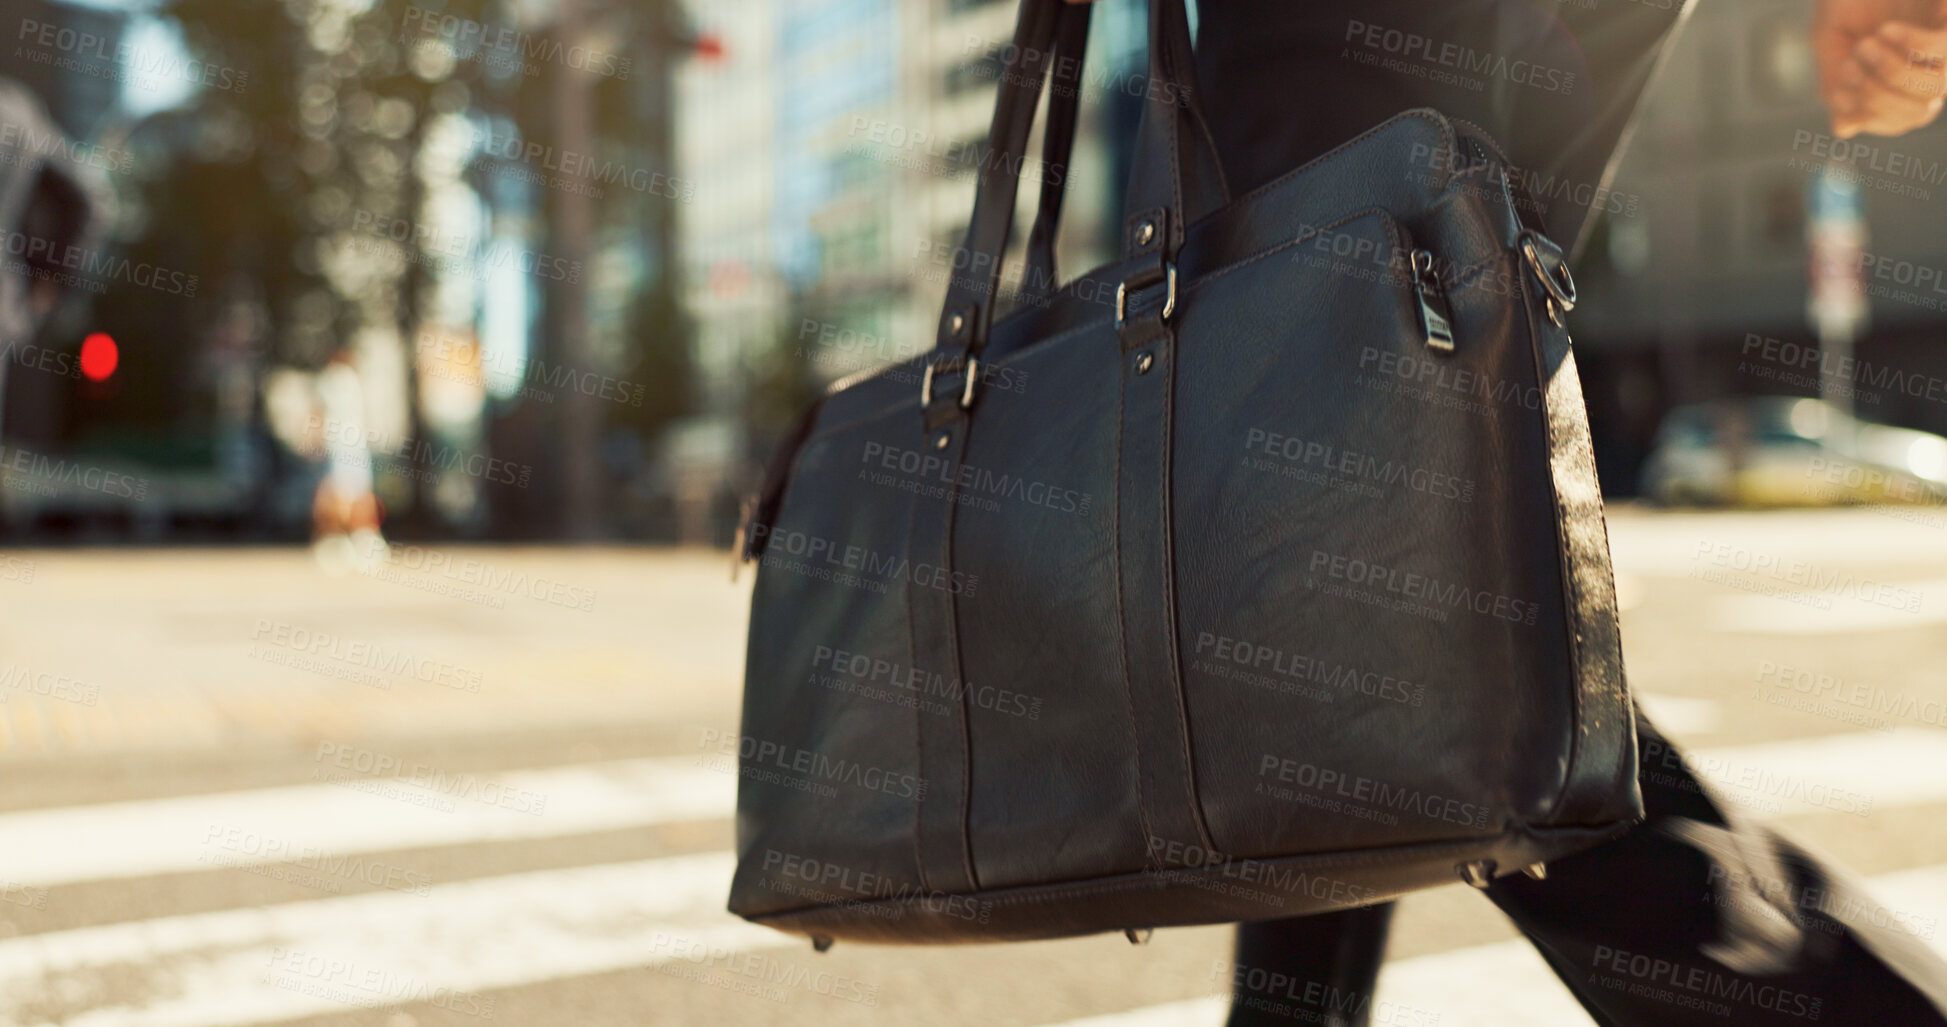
955 323
1479 873
945 439
1538 871
1145 232
1144 361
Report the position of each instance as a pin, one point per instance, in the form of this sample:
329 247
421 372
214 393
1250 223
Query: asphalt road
475 786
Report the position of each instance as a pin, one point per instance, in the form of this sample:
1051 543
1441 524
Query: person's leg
1308 969
1699 916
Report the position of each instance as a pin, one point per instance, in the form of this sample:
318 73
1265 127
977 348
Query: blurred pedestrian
346 512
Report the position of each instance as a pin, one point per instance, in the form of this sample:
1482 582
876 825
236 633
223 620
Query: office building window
982 72
1784 67
1784 214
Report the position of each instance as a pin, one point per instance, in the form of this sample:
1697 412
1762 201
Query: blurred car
1790 451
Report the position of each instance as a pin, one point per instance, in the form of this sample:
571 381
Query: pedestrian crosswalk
354 814
454 947
450 945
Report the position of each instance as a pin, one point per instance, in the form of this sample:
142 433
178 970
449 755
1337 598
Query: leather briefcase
1260 573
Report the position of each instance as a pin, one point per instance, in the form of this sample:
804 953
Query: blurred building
840 140
75 75
1697 288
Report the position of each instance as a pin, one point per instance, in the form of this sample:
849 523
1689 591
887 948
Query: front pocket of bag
1334 642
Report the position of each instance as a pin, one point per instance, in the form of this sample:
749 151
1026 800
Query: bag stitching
919 728
1122 617
953 644
1044 894
1181 712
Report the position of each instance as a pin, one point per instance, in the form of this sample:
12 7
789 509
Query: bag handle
1176 168
1057 149
970 297
1176 179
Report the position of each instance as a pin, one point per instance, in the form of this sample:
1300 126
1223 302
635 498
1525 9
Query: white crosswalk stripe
447 946
1783 576
1855 773
1914 604
1852 773
354 815
1169 1014
1681 715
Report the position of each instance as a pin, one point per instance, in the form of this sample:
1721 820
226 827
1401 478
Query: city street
473 785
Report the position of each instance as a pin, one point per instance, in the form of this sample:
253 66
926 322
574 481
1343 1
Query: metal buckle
972 364
1553 274
1169 301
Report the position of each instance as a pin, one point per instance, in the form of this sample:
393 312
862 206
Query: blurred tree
782 384
328 138
326 133
664 365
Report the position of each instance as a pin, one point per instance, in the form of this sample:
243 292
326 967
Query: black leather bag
1259 573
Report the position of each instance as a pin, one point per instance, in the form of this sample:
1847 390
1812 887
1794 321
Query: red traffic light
99 356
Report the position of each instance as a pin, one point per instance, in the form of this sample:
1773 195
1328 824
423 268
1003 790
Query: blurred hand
1882 64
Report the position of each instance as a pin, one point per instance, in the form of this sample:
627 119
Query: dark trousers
1696 903
1282 81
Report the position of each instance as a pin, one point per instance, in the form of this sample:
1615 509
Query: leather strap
1146 578
945 849
969 298
1057 149
1176 164
1603 758
1176 179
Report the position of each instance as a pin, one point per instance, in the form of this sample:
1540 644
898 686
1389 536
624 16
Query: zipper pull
1436 318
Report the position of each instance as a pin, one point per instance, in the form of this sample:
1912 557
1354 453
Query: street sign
1835 302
